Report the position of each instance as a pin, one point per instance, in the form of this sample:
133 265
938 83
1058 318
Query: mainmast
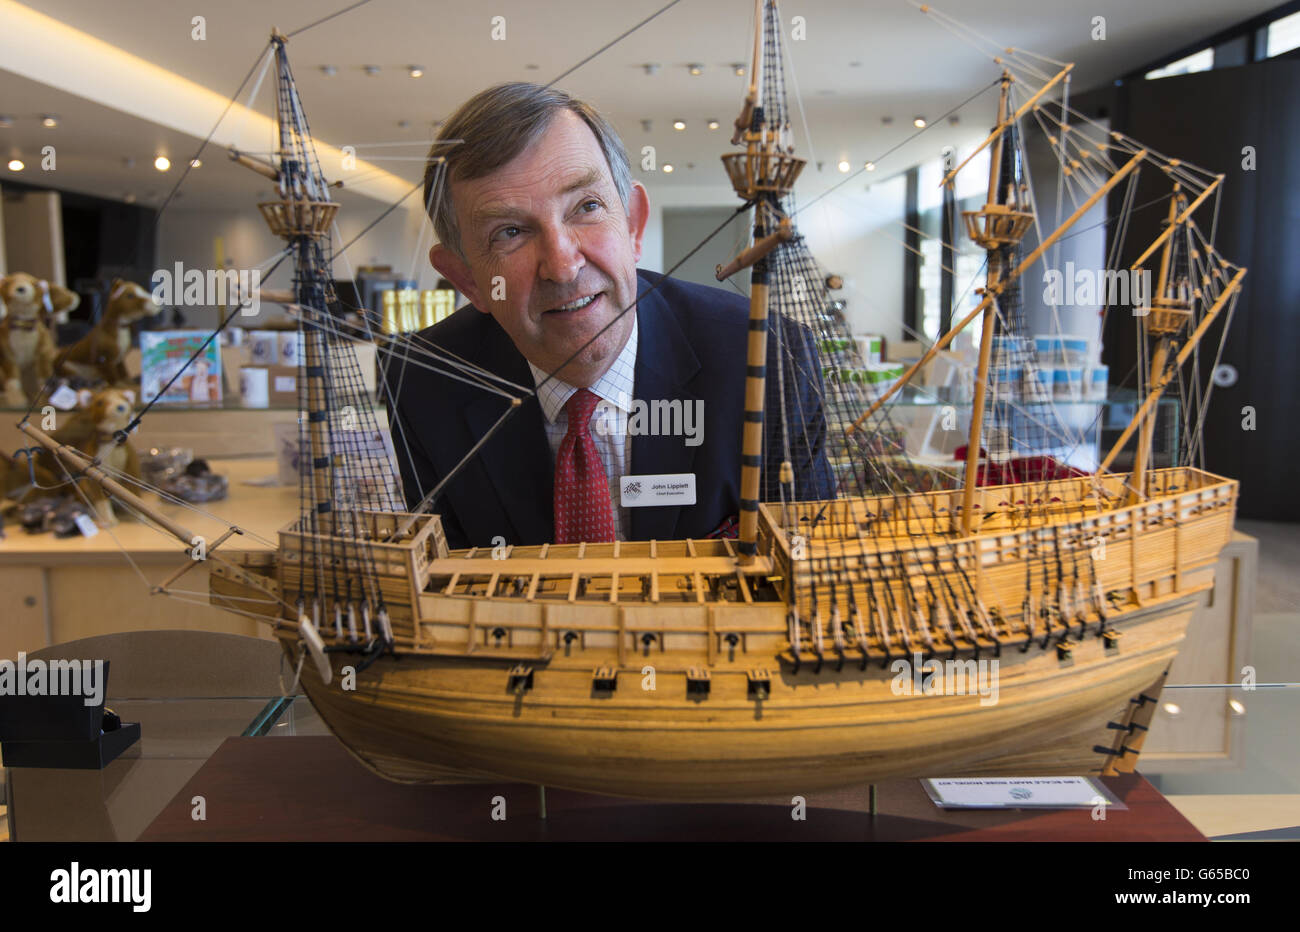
997 228
763 174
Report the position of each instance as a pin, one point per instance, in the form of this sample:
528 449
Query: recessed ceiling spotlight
651 67
870 166
416 71
843 166
1172 708
371 70
696 70
328 70
196 163
954 120
713 124
668 169
679 125
739 69
918 122
646 125
162 163
886 121
16 165
49 121
1236 706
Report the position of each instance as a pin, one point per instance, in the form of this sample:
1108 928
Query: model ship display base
665 670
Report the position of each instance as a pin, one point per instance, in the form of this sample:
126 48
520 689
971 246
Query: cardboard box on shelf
284 386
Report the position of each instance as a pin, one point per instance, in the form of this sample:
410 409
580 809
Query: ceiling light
371 70
679 125
328 70
162 163
668 169
1172 708
870 166
651 67
696 70
713 124
843 166
886 121
196 163
918 122
954 120
416 71
1236 706
16 165
646 126
739 69
49 121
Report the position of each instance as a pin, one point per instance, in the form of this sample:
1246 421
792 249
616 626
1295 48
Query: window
970 194
1283 35
1197 61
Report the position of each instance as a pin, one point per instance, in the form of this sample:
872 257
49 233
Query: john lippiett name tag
668 489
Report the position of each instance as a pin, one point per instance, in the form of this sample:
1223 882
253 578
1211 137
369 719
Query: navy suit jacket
691 345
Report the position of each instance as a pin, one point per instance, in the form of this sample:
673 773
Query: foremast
762 175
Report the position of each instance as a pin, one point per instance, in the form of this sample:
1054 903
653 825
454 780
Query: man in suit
540 226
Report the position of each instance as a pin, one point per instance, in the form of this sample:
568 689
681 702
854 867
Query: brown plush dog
90 429
99 354
26 338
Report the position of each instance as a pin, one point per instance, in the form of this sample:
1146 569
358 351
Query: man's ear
453 268
638 212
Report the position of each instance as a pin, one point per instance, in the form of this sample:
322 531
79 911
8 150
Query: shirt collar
614 385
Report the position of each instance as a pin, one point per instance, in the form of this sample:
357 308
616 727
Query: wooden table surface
310 789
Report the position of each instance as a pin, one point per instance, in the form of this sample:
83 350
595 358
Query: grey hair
496 125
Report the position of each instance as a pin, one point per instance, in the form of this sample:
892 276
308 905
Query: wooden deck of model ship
532 664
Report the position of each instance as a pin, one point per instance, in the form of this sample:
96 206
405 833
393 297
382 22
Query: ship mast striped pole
763 174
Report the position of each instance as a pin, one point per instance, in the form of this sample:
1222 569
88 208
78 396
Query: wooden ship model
725 669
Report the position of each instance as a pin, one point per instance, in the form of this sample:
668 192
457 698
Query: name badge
668 489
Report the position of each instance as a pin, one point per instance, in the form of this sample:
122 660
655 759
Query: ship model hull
670 670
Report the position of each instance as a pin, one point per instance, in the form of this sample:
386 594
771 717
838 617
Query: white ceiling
862 60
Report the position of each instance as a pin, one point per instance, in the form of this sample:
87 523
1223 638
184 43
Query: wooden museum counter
55 590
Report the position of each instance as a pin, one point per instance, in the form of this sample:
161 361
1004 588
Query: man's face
543 233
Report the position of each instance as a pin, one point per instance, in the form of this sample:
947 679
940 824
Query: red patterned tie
583 511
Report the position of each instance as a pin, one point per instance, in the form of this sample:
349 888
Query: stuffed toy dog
91 430
27 346
99 354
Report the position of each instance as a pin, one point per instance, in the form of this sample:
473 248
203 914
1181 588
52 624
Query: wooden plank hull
424 719
731 683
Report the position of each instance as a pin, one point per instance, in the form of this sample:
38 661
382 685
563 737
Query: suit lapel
517 459
665 365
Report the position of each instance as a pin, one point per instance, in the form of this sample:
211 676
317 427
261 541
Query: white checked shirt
608 421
